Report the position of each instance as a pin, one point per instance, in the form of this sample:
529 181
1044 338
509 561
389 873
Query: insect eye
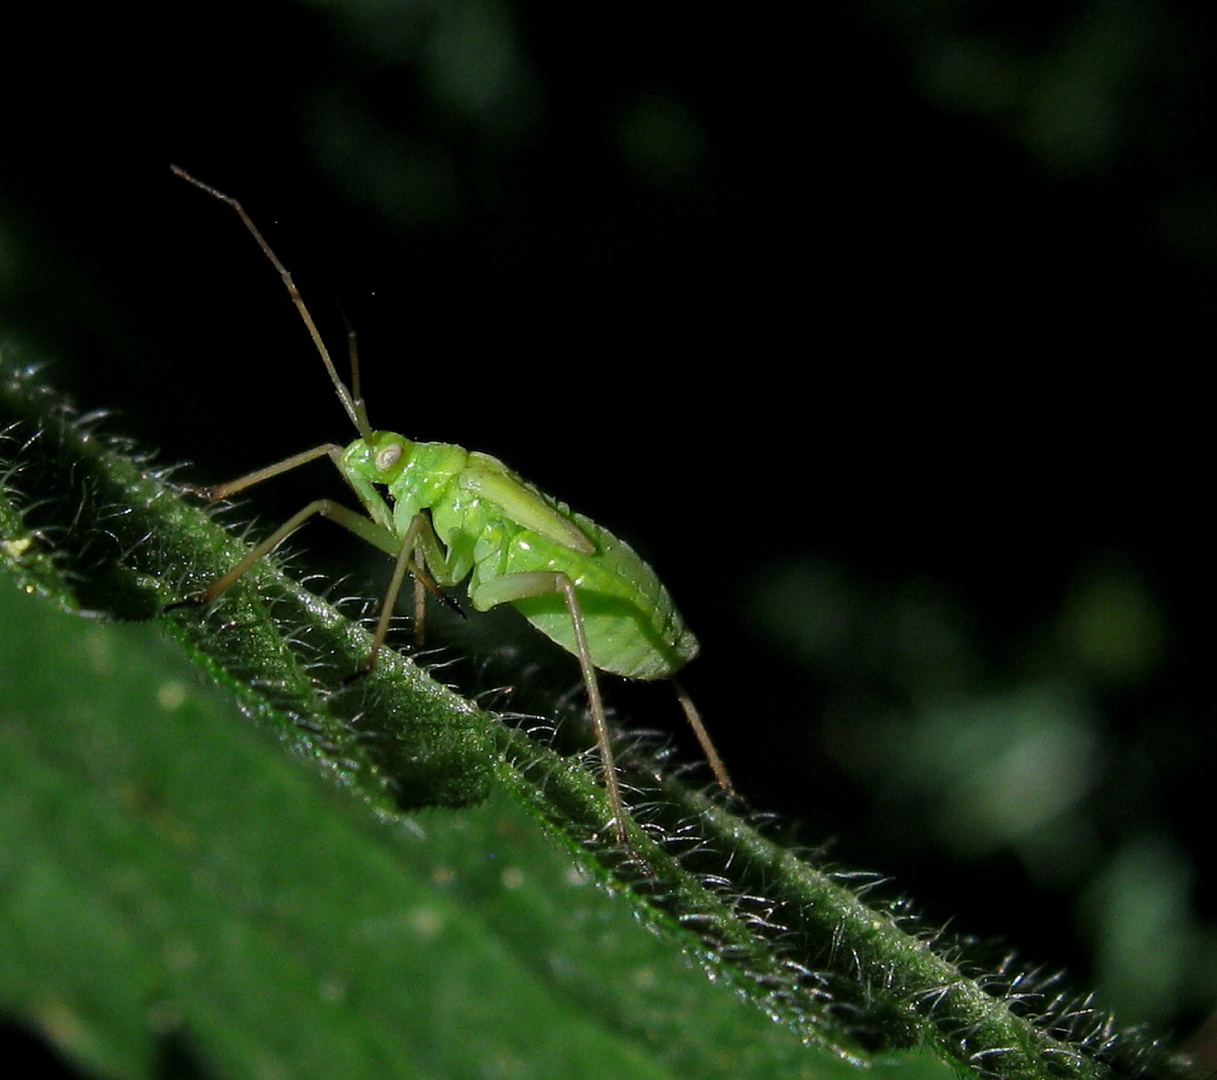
388 457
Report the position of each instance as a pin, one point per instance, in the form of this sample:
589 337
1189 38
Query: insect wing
524 506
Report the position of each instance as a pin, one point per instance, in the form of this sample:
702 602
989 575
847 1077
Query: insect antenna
361 408
351 402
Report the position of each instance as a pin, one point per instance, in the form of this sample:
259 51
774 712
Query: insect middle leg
419 549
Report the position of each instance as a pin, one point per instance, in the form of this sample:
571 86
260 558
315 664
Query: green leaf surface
449 904
173 881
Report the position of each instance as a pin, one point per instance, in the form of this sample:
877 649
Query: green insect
446 514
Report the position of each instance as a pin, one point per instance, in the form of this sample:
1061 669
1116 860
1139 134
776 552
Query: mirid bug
446 514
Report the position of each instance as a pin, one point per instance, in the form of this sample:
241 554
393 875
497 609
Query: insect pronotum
445 514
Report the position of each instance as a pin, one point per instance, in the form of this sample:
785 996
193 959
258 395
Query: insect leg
410 558
612 782
222 491
520 586
336 512
703 737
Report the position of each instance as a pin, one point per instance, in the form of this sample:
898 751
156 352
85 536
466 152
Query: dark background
886 338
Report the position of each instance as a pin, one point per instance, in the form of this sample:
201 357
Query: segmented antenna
352 403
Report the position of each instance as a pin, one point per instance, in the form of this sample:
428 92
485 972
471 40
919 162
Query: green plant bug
446 514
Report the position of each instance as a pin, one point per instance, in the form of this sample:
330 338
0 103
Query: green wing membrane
522 504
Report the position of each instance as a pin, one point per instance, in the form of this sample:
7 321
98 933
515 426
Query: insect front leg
327 508
522 586
222 491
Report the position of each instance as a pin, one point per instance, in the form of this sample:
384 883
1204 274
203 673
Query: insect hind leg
522 586
708 749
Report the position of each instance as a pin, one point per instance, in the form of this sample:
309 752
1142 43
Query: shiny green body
490 526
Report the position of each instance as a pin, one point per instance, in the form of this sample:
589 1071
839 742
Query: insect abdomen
633 628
